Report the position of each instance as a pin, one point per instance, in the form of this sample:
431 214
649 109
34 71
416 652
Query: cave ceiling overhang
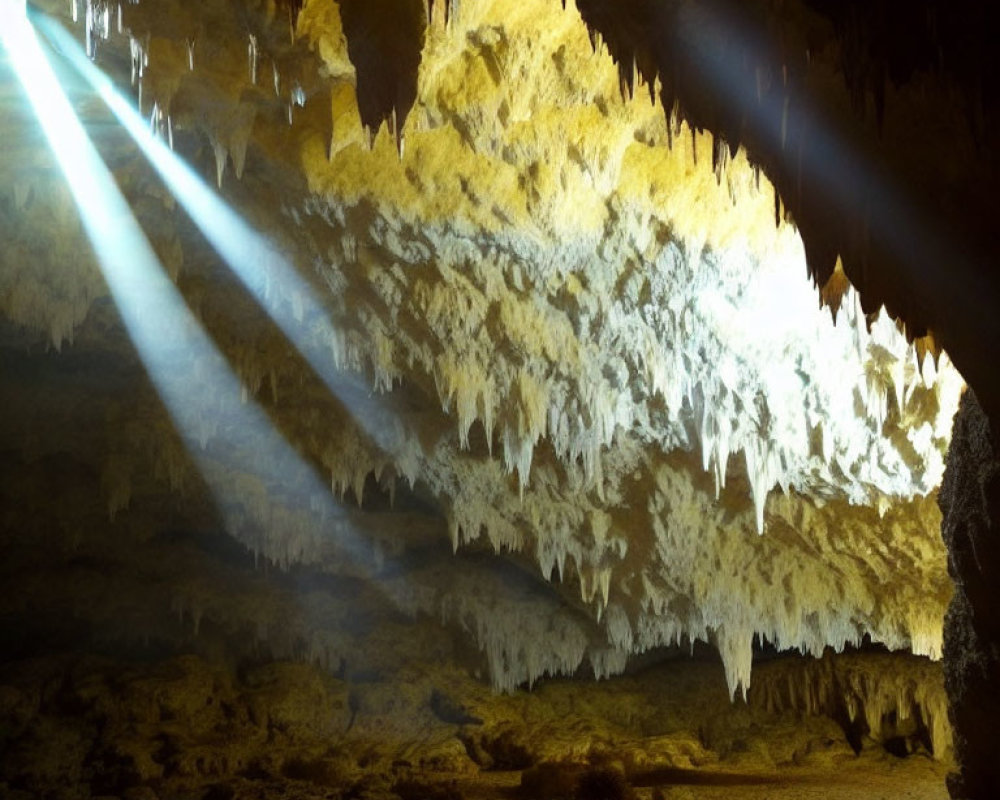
577 292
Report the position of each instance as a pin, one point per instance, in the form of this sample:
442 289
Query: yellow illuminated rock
549 389
599 309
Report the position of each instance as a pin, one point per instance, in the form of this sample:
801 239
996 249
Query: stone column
970 503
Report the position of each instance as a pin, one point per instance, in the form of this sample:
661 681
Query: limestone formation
558 337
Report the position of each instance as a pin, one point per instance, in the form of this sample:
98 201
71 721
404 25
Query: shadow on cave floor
871 776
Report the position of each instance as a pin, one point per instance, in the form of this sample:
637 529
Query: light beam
194 380
263 270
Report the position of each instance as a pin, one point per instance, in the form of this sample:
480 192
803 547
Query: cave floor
186 728
872 776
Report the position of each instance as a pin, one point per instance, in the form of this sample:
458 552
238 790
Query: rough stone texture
591 348
875 124
970 502
78 726
899 701
525 319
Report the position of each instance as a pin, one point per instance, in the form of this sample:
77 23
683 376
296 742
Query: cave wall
970 502
401 187
554 332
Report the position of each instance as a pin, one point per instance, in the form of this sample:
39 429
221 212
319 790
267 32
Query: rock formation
497 317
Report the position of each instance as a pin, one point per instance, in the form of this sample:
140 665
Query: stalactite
252 57
866 689
590 395
221 155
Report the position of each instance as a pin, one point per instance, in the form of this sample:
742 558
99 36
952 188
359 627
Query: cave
514 399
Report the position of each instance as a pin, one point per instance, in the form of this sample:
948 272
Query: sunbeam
256 261
196 384
646 399
791 122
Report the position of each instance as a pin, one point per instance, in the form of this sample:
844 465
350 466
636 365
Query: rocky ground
80 726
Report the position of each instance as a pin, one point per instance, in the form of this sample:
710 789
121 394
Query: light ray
193 379
263 270
832 164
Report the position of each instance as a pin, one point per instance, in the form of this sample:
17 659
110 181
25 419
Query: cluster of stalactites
231 132
581 546
758 103
904 369
538 416
861 688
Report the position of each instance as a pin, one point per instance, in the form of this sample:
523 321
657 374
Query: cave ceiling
509 286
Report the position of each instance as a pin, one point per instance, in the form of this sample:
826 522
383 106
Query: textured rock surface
510 371
898 701
970 502
82 726
594 349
